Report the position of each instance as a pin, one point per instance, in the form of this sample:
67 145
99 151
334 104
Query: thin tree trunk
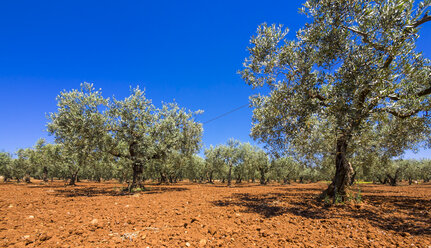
262 177
352 179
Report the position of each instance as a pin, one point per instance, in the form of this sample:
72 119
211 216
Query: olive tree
285 169
21 167
79 126
354 66
148 136
177 137
6 166
425 170
39 159
215 166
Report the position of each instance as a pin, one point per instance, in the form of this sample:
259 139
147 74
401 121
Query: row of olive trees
97 137
233 161
396 171
244 162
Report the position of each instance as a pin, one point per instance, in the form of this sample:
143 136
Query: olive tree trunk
343 172
137 172
229 175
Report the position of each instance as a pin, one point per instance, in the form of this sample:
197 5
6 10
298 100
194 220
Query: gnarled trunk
73 178
393 180
45 174
229 175
238 179
343 172
137 172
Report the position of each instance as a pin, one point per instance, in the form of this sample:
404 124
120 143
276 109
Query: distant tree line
233 162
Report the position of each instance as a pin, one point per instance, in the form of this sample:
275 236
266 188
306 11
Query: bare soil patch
195 215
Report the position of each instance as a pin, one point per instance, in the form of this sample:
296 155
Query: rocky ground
204 215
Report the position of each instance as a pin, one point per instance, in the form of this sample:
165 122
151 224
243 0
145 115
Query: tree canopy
354 69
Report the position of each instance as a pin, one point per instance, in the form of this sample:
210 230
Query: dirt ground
194 215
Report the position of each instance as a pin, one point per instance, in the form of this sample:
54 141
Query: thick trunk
393 180
73 178
137 171
163 178
343 173
229 175
45 174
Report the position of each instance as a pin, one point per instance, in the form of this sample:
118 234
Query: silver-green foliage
355 66
79 126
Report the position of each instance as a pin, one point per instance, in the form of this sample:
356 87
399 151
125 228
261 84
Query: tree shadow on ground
98 191
400 214
235 185
161 189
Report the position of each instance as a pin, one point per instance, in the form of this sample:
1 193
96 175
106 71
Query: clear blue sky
184 50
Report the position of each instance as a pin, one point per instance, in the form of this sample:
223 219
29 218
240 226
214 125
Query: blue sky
189 51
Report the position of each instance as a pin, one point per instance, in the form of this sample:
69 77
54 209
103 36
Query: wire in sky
229 112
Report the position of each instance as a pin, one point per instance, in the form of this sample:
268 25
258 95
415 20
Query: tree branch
402 115
366 39
318 96
425 18
423 92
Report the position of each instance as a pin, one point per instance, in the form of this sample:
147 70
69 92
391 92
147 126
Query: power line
229 112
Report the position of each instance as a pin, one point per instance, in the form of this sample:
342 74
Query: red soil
181 215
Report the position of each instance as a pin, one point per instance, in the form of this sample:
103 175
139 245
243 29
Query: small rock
188 244
202 242
26 237
10 206
95 222
31 217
